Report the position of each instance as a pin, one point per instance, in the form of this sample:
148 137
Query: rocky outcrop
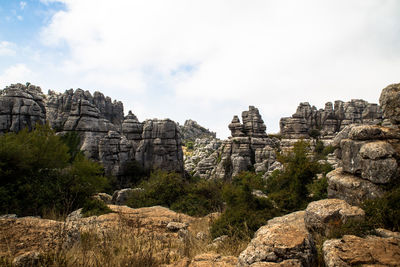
356 251
21 106
368 155
282 239
330 120
191 130
323 216
23 235
202 159
249 148
106 136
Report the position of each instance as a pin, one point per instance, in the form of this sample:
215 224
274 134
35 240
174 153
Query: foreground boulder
356 251
324 215
283 238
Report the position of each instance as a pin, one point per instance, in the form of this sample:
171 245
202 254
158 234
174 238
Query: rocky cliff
330 120
106 135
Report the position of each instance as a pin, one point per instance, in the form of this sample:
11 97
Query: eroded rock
369 251
283 238
324 215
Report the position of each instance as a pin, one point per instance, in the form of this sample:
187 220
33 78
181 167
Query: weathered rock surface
191 131
120 197
390 103
330 120
106 136
324 215
206 260
20 107
356 251
199 161
283 238
249 148
353 189
369 156
28 234
160 146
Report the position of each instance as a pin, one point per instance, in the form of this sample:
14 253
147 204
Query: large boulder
356 251
282 238
324 215
353 189
390 102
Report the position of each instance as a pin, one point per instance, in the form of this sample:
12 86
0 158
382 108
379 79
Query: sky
204 60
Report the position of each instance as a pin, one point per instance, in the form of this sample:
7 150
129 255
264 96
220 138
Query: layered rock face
105 134
368 155
330 120
249 148
160 146
21 106
191 130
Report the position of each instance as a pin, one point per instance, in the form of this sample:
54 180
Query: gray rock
160 147
330 120
21 107
121 196
354 190
324 215
390 102
191 131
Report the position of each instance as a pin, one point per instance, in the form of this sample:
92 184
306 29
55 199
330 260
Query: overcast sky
205 60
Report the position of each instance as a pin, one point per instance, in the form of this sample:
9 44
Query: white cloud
22 4
219 55
18 73
20 18
7 48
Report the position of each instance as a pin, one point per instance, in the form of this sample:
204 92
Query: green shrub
194 196
189 145
244 212
318 189
94 207
38 175
288 188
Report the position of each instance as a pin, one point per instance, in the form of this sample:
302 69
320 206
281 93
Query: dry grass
130 243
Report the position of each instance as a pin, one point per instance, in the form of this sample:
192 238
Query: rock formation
330 120
105 134
199 161
20 107
356 251
248 148
281 239
191 130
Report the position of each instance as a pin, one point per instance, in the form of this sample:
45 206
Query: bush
244 212
38 175
94 207
296 185
194 196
